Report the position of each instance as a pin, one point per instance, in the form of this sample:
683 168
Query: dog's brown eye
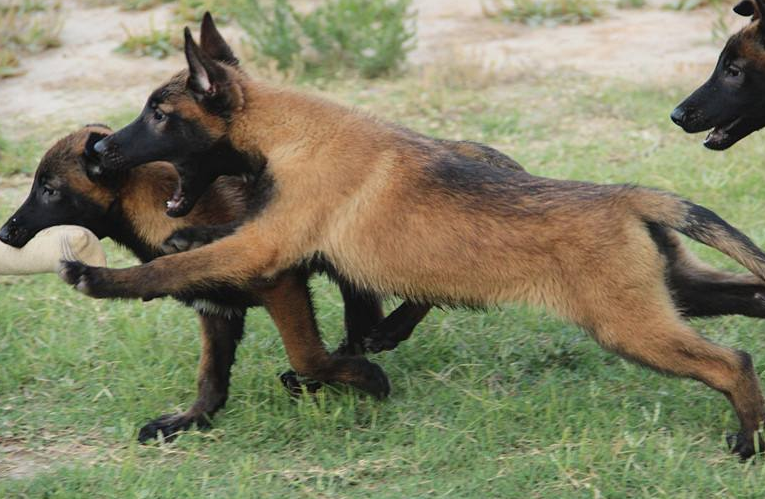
48 191
159 115
733 71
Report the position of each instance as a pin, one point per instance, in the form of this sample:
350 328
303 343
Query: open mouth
177 205
721 137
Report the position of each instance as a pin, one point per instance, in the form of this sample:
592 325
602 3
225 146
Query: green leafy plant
371 37
154 43
129 4
630 4
537 12
274 33
193 10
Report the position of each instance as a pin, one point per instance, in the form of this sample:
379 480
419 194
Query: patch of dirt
649 44
85 79
18 461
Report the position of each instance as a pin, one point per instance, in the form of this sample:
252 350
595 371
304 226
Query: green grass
511 403
370 38
547 12
19 156
129 4
157 43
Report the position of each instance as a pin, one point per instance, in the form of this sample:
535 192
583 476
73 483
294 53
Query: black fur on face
56 197
731 104
184 123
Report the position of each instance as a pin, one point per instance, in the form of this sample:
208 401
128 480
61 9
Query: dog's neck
139 219
277 122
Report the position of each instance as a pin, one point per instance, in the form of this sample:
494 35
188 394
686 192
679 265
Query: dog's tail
698 223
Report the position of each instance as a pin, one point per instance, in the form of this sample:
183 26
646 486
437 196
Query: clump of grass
689 4
27 27
630 4
155 43
545 12
129 4
18 157
371 37
193 10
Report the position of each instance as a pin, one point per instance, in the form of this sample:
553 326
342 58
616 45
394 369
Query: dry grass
27 27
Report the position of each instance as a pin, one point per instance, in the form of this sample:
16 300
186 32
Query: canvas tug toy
44 252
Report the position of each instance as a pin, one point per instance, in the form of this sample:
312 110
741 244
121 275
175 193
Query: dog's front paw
378 342
102 282
744 444
294 383
82 277
170 425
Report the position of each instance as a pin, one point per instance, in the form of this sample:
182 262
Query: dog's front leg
236 260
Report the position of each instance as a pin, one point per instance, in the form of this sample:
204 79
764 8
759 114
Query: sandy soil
649 44
86 78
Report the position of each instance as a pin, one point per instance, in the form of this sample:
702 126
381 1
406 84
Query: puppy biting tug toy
44 252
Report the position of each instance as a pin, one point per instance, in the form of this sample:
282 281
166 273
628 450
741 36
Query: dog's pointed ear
203 73
748 8
213 44
91 160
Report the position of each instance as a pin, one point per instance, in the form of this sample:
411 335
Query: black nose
678 116
6 233
100 146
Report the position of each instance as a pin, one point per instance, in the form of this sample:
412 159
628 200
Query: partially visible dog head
731 104
69 188
184 120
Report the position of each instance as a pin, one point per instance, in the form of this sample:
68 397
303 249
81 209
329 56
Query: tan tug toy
44 252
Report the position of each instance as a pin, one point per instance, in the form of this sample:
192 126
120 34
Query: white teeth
169 204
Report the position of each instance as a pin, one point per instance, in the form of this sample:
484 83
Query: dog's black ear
213 44
90 157
205 76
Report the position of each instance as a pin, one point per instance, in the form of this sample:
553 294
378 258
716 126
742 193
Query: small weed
630 4
369 37
687 4
273 33
27 27
128 4
545 12
193 10
155 43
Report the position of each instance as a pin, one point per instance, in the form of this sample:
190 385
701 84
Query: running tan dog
398 213
44 252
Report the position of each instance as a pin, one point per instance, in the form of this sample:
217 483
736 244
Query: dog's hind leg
711 295
700 290
289 305
645 329
396 327
363 310
220 337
